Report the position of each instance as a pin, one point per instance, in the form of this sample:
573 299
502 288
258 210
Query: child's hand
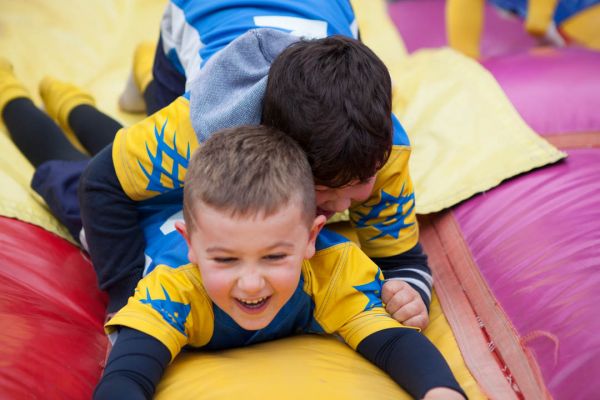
442 393
404 304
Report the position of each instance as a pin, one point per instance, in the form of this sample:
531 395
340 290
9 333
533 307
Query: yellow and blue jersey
338 292
151 157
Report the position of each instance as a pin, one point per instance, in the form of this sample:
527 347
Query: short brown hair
333 96
248 170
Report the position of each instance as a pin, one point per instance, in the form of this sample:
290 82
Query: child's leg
33 132
36 135
143 92
74 111
94 129
134 98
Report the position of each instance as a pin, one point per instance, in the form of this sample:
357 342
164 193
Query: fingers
404 304
411 314
396 294
393 287
419 321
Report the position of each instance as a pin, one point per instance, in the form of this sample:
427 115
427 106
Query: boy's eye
275 257
225 260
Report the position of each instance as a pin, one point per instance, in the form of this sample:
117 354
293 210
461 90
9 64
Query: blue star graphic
173 312
373 291
393 224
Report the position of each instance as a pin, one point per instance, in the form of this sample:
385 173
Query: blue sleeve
410 359
112 231
134 367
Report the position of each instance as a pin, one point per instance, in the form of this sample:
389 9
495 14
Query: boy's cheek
192 256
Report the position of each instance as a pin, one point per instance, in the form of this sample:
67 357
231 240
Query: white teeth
253 302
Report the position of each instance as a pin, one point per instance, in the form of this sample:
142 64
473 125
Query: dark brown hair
333 96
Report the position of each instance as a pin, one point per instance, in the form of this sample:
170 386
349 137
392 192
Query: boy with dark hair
348 106
259 272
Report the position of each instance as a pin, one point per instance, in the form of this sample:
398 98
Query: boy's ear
317 225
182 229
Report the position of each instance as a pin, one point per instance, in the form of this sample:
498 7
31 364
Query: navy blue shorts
57 182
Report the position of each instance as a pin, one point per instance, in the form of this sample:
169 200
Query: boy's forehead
291 212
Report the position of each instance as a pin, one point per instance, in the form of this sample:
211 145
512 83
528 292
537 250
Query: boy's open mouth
254 304
328 214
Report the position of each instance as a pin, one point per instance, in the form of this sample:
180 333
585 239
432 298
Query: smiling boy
259 270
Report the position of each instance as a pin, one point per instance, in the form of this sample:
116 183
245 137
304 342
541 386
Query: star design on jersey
390 225
373 291
164 152
173 312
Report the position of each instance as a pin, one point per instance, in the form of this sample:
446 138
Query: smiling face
332 200
251 265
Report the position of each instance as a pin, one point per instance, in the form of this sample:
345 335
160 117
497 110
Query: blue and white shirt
192 31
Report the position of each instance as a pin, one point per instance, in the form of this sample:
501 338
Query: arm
411 360
112 232
388 230
155 324
135 365
410 267
407 289
352 308
145 160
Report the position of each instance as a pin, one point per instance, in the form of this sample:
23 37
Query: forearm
411 267
134 368
410 359
112 232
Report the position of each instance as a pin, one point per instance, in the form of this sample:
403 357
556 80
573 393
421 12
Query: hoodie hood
229 89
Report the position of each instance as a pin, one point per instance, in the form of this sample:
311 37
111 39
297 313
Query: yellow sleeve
464 24
171 306
151 157
386 224
346 287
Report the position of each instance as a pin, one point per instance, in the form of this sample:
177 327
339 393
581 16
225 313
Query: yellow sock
59 100
143 59
10 87
132 98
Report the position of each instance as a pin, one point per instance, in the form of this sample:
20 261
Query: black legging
40 139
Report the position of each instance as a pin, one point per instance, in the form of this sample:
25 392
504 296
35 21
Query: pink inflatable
556 91
520 264
536 242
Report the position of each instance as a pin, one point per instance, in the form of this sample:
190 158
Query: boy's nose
341 204
251 282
